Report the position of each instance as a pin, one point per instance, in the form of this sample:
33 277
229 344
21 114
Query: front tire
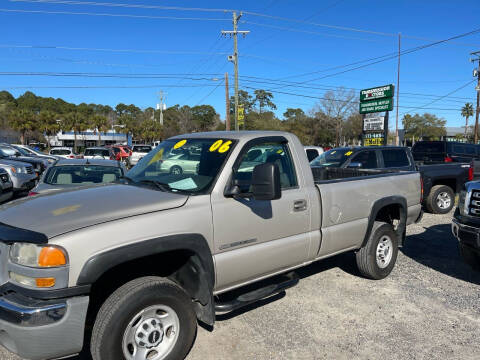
377 258
470 257
176 170
440 200
147 318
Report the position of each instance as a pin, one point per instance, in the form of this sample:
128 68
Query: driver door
254 238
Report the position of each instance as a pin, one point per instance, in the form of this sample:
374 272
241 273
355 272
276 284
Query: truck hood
60 212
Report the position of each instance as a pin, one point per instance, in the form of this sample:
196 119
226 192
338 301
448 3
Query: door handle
300 205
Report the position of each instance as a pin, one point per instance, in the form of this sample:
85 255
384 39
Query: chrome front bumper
42 329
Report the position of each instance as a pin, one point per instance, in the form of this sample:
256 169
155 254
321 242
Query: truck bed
325 174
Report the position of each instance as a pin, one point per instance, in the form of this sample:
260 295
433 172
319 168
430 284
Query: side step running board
287 281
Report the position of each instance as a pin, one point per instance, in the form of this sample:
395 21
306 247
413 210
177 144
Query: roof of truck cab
100 162
237 135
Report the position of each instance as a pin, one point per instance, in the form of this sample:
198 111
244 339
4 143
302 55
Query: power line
140 51
105 86
49 12
344 101
394 55
210 93
306 31
440 98
110 75
107 4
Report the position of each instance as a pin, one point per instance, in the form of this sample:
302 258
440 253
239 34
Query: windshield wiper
158 184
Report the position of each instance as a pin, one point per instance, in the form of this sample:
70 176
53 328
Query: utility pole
227 104
161 104
234 57
398 90
476 73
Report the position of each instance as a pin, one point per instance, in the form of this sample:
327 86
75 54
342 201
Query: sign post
372 102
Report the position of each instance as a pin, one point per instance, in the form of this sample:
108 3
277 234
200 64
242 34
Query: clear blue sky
274 49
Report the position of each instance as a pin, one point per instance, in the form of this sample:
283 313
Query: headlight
37 256
18 170
41 258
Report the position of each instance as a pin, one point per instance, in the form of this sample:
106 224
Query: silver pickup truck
135 264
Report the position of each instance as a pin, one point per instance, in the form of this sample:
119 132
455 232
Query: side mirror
355 165
266 182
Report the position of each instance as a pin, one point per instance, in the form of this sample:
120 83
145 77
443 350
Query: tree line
333 121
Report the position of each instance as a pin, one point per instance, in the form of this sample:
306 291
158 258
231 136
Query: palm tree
467 111
23 120
47 121
100 123
76 122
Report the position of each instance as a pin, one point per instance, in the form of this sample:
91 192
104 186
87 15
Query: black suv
444 151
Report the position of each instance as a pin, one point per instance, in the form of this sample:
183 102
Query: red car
122 153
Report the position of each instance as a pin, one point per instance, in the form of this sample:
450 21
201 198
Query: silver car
138 152
73 173
6 186
21 174
178 163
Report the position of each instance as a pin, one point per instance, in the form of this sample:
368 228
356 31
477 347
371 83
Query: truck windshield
188 165
332 158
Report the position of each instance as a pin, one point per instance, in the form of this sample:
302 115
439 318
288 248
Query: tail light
448 159
71 156
421 189
32 193
470 172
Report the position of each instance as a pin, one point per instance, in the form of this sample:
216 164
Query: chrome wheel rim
384 251
176 171
444 200
151 334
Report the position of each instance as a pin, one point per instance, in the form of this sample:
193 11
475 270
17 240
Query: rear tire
440 200
376 259
470 257
144 317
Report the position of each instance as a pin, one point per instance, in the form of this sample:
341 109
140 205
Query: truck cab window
311 154
368 159
394 158
276 153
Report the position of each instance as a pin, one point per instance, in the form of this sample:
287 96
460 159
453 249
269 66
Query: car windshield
6 151
332 158
23 151
189 165
97 152
142 149
82 174
60 152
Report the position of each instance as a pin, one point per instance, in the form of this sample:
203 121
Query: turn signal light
45 282
51 256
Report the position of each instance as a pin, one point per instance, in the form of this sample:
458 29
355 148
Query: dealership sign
372 101
376 106
380 92
374 124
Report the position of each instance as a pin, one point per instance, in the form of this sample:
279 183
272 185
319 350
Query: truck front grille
474 206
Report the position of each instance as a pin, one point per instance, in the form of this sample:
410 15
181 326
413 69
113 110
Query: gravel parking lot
428 308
